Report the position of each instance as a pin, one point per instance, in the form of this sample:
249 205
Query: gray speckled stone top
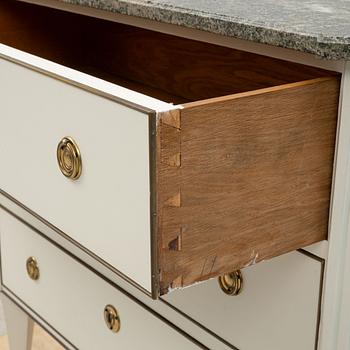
320 27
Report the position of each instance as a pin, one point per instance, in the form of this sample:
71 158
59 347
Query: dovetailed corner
174 201
171 118
174 160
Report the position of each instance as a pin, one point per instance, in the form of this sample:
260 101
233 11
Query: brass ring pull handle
69 158
231 283
112 318
33 268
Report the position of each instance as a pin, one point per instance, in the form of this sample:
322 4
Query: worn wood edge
152 128
171 118
169 121
257 92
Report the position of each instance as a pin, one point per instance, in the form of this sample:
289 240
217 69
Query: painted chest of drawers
165 188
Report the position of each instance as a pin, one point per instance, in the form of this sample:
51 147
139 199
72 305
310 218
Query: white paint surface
335 319
80 78
158 306
108 209
277 308
71 298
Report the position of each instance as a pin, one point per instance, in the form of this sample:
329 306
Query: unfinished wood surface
40 31
186 68
167 67
254 179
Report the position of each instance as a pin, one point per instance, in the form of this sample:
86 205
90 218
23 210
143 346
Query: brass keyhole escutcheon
231 283
33 268
69 158
112 318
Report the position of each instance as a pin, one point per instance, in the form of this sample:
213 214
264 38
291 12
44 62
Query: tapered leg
19 325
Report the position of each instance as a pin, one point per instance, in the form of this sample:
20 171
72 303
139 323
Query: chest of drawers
137 162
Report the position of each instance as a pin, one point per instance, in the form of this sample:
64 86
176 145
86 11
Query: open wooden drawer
224 157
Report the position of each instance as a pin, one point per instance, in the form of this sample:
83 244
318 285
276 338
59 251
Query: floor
41 340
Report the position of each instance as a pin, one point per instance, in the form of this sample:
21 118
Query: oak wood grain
254 179
40 31
186 68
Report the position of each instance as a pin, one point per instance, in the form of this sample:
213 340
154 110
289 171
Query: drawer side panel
253 179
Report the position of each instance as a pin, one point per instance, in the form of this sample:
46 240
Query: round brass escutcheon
112 318
231 283
33 268
69 158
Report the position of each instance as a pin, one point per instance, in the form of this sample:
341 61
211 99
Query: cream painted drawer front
72 299
107 209
277 308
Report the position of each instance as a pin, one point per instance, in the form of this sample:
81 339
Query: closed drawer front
277 308
72 299
195 158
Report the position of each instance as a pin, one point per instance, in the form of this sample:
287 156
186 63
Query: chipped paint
172 289
254 256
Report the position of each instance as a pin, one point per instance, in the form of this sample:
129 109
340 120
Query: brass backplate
69 158
33 268
231 283
112 318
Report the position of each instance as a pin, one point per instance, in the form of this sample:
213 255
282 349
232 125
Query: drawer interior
169 68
